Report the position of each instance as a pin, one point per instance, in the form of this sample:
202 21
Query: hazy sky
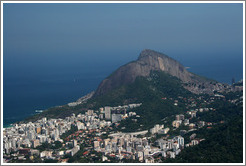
65 34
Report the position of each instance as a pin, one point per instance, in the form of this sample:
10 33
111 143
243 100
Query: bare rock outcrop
148 61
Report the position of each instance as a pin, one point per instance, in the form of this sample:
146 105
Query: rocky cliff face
148 61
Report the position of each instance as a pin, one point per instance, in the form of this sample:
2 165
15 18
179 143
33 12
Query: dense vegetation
150 92
48 146
58 112
224 141
69 132
156 86
224 144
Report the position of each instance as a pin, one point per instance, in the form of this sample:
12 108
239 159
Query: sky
53 37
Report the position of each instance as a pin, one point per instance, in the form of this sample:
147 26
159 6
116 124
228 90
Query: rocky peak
148 52
147 61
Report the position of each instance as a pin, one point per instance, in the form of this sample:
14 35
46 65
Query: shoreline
8 125
80 100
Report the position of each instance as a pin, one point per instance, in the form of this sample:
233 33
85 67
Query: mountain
150 60
147 80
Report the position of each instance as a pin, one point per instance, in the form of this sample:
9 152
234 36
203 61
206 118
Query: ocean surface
28 89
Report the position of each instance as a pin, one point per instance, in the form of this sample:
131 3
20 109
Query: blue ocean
28 89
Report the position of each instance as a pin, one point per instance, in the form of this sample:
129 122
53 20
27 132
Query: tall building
44 120
116 117
101 116
180 140
177 117
96 144
38 130
156 128
90 112
30 135
101 110
35 143
107 113
182 117
74 143
186 122
80 125
193 114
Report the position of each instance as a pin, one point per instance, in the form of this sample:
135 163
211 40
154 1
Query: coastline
80 100
8 125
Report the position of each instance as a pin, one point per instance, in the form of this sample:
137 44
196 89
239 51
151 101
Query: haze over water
55 53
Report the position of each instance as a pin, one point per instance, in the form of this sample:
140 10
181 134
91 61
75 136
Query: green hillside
147 90
223 144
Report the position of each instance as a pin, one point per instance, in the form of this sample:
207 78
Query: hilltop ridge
150 60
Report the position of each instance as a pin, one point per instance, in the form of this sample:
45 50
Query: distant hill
150 60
